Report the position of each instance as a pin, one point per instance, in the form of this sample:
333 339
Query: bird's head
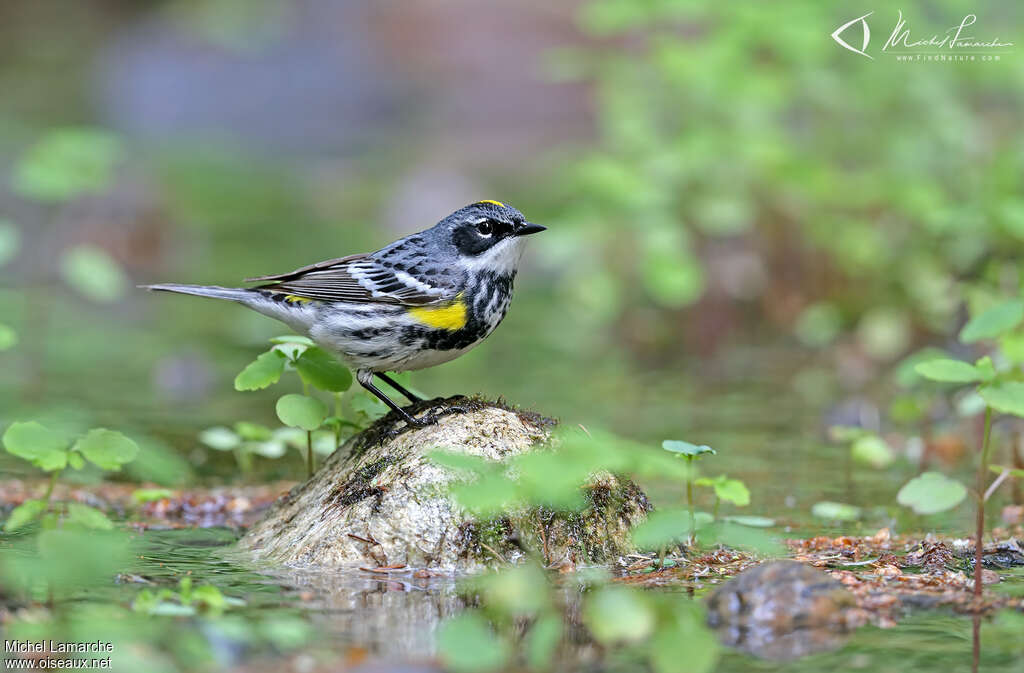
488 234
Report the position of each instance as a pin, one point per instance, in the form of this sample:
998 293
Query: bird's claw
423 421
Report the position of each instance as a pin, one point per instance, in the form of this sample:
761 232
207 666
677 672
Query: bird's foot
422 421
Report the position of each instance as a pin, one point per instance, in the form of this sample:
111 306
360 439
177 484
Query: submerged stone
379 501
782 610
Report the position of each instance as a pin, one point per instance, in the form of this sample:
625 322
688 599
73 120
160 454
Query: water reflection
393 618
783 611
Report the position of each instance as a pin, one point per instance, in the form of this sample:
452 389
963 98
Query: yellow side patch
497 203
295 299
450 316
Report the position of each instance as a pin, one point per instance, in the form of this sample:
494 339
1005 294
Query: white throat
502 258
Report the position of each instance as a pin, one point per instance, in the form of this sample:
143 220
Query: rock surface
783 610
379 501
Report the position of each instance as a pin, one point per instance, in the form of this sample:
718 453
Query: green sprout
53 452
187 601
520 613
690 453
317 370
247 440
1001 391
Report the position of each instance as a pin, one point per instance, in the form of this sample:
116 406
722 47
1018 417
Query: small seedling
184 602
835 511
1001 391
52 452
317 369
246 440
690 453
730 490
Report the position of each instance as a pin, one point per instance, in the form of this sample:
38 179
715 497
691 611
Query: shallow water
394 619
765 434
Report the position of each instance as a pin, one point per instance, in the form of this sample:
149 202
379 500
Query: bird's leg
365 378
394 384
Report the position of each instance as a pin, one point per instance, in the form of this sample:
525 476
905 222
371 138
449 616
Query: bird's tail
213 291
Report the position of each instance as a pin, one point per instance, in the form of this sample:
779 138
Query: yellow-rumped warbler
421 301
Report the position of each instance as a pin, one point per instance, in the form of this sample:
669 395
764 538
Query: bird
421 301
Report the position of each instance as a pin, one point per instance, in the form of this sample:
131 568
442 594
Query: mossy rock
380 501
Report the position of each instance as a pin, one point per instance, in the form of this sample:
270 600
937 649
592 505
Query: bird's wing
360 278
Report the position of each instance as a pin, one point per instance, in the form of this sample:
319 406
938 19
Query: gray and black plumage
421 301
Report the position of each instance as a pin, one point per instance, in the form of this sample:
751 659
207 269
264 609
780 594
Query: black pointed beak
527 228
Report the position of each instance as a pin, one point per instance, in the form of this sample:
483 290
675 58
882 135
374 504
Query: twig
543 539
496 554
995 484
979 541
386 569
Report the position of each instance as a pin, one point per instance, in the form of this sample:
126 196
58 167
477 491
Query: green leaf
752 521
144 495
467 644
686 449
462 462
998 469
23 514
949 371
94 273
618 615
252 432
1011 345
541 642
75 460
365 403
741 537
292 339
107 448
286 632
67 162
993 322
731 490
322 370
835 511
931 492
10 241
88 517
521 591
1007 398
486 496
552 479
220 438
872 450
8 337
43 448
683 644
261 372
210 596
662 527
301 411
986 368
291 351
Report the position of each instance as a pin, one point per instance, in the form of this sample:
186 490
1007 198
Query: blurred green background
749 226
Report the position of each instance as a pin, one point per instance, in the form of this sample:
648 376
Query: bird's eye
484 228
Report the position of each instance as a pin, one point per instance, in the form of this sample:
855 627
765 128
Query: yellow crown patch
497 203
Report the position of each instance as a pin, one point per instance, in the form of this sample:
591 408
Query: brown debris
232 506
